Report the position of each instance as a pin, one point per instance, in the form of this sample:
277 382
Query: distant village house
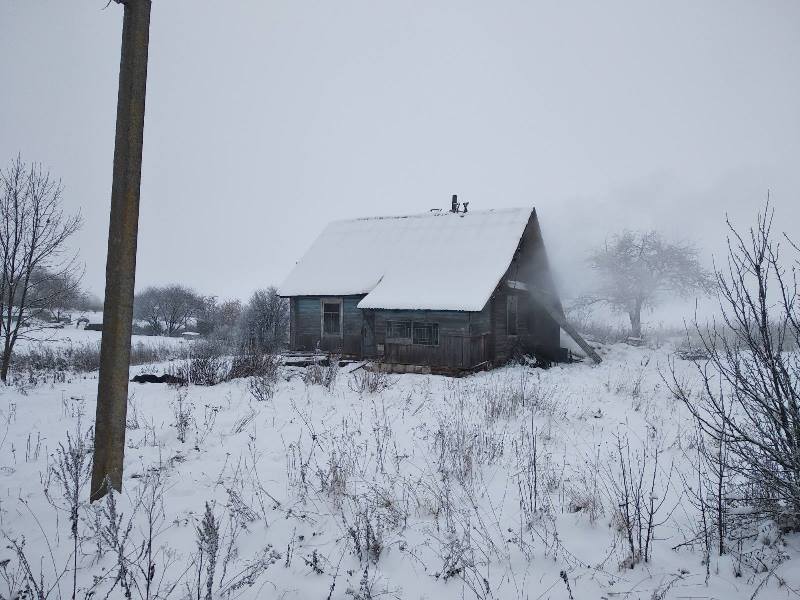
450 290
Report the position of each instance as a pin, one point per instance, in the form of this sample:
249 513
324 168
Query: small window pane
426 334
398 331
511 305
331 318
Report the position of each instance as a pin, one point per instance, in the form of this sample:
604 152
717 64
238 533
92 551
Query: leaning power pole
115 350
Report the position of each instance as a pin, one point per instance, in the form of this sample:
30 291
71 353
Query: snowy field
498 485
71 335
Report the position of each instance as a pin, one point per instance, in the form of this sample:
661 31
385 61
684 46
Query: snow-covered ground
71 334
497 485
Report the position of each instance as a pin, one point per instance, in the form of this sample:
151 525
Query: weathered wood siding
466 339
536 330
306 325
481 322
460 347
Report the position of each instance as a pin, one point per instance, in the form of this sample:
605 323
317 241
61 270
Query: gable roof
434 261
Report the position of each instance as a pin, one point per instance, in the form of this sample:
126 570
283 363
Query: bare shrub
43 363
595 330
143 568
462 443
262 388
184 415
585 490
71 470
507 393
207 549
528 457
504 396
211 362
369 381
151 352
365 530
707 489
21 580
132 418
322 372
243 421
264 380
333 478
132 558
250 362
639 492
750 401
206 364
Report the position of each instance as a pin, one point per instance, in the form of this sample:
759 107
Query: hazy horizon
267 120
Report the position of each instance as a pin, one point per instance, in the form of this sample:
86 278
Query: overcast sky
265 120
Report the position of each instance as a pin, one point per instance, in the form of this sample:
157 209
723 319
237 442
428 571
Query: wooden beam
559 318
115 348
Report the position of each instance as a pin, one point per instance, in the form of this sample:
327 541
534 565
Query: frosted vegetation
671 470
330 482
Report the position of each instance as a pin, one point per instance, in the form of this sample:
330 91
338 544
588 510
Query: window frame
512 300
391 339
412 326
434 333
322 303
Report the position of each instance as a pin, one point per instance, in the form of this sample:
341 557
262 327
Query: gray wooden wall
306 325
466 339
536 330
463 338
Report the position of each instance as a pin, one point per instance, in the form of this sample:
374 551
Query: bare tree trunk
635 315
6 362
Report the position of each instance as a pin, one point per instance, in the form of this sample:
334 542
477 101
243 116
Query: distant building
447 290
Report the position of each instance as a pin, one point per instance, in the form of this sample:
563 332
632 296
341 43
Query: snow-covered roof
433 261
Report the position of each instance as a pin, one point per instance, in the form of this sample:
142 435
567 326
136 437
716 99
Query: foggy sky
265 120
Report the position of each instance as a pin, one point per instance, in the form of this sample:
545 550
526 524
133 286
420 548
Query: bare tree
265 320
168 309
33 234
220 318
750 401
638 269
62 291
88 301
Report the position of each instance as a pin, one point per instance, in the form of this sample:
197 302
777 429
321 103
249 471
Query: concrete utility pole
115 351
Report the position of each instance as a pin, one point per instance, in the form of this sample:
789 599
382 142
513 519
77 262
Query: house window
426 334
332 317
511 315
398 332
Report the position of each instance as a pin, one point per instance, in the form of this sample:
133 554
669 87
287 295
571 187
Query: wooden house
450 290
